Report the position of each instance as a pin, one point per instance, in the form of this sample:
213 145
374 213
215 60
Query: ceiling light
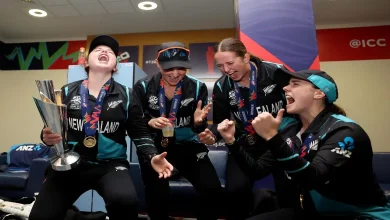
147 5
37 13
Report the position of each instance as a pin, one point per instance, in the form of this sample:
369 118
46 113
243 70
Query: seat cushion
386 189
381 164
265 183
219 158
183 187
13 180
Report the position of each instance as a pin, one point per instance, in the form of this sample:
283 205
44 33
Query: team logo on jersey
75 103
345 147
153 100
232 97
186 102
269 89
313 145
120 168
289 142
113 104
201 155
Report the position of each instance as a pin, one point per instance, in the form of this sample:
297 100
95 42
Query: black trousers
266 208
192 162
239 197
62 188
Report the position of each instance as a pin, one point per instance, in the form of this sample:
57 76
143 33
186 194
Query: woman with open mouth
323 167
102 113
245 89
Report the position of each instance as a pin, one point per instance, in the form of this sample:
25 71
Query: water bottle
81 59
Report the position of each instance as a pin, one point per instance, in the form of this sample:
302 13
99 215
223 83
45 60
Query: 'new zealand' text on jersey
270 96
328 164
331 162
120 114
193 90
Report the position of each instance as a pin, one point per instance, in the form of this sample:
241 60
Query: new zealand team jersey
192 91
270 98
328 166
120 116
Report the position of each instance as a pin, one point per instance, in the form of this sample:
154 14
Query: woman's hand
50 138
266 126
227 130
207 137
158 123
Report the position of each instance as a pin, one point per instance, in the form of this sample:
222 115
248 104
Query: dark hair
335 109
233 45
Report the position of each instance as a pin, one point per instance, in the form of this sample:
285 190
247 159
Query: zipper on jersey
301 200
301 197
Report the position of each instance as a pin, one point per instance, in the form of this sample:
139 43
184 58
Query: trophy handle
45 99
58 96
46 90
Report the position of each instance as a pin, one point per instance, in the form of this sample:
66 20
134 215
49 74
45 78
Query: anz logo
345 147
29 148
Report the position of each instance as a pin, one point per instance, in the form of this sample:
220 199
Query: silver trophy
54 116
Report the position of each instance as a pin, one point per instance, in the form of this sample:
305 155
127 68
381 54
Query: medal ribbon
243 112
175 101
306 145
91 121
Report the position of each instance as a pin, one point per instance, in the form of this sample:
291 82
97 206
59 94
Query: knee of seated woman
42 215
210 189
239 188
123 198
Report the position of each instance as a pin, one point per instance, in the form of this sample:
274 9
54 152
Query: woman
246 89
326 157
171 98
104 166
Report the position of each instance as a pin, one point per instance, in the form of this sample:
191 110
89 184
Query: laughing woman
326 157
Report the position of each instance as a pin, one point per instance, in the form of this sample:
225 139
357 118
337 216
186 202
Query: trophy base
69 161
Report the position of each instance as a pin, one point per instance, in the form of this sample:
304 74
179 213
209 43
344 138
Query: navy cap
105 40
173 54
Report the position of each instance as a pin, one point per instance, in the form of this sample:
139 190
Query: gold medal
89 141
250 139
164 142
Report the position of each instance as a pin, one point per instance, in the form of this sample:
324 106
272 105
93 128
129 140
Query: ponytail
336 109
252 56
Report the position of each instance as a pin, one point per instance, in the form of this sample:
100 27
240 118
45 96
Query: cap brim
175 63
282 76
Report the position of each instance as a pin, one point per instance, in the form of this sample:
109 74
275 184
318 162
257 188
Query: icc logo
368 43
